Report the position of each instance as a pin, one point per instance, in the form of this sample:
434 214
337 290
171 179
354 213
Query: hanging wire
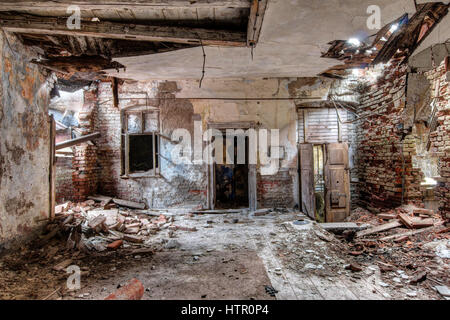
204 64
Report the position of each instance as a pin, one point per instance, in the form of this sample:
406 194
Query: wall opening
319 182
142 155
232 180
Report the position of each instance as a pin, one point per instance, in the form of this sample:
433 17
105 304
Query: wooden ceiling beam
255 22
12 5
23 23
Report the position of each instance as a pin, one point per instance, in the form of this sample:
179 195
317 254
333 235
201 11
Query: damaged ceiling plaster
294 35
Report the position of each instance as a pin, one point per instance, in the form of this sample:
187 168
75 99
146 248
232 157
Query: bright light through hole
354 42
394 28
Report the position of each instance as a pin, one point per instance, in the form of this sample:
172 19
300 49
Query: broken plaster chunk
131 238
97 222
172 244
443 291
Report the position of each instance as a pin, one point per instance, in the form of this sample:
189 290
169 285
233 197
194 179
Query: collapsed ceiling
168 39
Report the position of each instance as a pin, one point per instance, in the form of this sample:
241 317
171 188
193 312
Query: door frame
252 191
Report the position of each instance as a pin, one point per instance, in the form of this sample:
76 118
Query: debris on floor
410 245
133 290
91 227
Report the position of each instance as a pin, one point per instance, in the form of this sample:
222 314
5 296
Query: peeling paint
24 146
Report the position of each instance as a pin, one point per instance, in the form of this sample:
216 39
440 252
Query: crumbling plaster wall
24 143
178 185
181 185
274 189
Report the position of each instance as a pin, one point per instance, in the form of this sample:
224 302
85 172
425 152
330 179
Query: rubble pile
411 246
98 226
99 236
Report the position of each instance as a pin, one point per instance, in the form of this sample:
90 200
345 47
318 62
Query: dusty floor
231 256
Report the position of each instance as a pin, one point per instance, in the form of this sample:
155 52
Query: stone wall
24 144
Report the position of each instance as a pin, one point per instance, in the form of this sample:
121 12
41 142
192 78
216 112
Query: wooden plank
12 5
77 141
52 173
255 22
407 221
408 35
387 216
100 198
22 23
411 233
387 226
129 204
419 223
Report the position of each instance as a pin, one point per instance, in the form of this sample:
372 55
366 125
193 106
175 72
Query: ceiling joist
23 23
12 5
255 22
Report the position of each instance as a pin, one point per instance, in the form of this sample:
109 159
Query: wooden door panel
337 182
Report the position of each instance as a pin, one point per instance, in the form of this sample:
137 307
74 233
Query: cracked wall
187 184
24 143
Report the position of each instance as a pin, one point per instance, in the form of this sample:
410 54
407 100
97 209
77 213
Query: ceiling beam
11 5
255 21
22 23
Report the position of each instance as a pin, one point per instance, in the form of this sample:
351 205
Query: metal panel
321 125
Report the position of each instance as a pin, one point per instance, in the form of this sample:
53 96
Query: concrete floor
226 260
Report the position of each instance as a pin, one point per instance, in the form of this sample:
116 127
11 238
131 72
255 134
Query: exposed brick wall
384 154
275 190
440 139
178 185
63 181
85 165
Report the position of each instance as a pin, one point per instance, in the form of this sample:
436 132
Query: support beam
77 141
23 23
255 22
11 5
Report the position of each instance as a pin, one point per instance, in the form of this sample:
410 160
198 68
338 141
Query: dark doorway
232 179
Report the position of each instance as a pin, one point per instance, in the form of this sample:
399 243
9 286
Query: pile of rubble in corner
410 245
105 224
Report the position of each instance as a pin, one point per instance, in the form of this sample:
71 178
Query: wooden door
306 153
337 182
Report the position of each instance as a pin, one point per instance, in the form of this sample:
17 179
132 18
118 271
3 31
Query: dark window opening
142 155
